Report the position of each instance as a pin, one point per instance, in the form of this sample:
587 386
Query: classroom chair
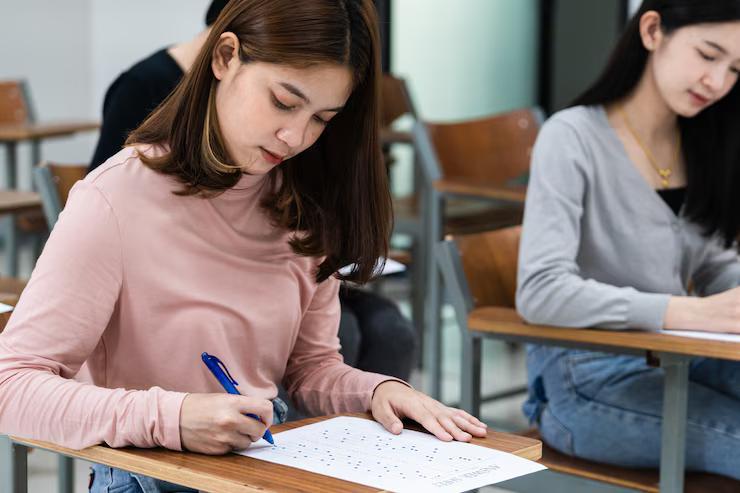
18 124
479 273
395 103
475 174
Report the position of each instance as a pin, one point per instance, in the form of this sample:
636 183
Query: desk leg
471 369
432 302
66 474
10 237
675 404
13 466
8 223
11 161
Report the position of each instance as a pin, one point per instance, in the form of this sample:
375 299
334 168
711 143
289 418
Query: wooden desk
11 135
31 131
672 352
238 474
514 193
506 323
13 202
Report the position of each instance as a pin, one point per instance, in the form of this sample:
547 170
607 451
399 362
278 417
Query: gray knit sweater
599 246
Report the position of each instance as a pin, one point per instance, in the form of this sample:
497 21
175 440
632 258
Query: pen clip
222 366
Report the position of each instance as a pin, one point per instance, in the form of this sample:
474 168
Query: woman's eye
705 56
280 105
320 120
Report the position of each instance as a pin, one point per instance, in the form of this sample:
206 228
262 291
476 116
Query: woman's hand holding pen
393 401
217 423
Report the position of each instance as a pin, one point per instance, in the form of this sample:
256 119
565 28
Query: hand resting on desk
393 401
715 313
216 423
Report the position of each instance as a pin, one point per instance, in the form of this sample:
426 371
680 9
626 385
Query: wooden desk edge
134 460
506 322
512 194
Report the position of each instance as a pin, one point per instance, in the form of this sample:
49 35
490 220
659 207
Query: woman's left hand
393 401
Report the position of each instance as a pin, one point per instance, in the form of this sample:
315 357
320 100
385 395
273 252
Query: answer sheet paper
698 334
362 451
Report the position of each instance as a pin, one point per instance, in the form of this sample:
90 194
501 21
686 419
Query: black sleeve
124 108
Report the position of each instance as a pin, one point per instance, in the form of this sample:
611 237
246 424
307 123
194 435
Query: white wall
69 51
467 58
462 60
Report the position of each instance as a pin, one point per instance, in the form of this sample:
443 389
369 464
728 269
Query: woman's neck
648 111
185 53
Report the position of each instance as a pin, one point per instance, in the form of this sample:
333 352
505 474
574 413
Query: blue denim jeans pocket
555 433
589 371
536 401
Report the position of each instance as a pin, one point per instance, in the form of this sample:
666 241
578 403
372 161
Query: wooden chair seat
646 480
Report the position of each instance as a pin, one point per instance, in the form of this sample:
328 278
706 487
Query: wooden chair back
65 176
489 262
493 150
394 100
14 107
54 181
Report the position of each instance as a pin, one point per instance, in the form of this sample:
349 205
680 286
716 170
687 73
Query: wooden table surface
505 321
238 474
15 133
13 201
513 193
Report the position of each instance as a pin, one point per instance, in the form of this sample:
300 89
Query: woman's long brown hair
334 194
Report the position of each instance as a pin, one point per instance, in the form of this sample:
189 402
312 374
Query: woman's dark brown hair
334 195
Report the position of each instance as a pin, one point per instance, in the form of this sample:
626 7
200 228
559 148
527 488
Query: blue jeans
104 479
608 408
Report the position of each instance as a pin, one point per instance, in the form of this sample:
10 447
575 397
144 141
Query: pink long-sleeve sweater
135 283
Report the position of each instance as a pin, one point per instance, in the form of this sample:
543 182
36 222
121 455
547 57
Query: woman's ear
650 30
225 54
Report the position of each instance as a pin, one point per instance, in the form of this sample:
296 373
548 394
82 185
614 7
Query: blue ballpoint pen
223 376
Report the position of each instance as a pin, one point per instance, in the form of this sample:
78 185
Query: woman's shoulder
578 119
125 174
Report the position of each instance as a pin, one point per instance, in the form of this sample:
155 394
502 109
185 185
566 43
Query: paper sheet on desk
697 334
390 267
361 451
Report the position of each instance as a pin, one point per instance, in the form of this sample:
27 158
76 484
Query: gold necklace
664 173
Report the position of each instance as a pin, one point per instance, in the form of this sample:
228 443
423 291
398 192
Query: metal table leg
13 466
675 405
8 222
432 300
471 374
66 478
11 163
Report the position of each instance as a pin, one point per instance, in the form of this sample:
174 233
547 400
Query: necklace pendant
664 182
664 173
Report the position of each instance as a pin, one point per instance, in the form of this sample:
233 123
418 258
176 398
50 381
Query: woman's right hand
716 313
216 423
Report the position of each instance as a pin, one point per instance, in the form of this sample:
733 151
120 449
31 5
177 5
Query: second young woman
630 222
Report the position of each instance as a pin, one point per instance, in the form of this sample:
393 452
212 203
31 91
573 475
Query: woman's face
268 112
696 66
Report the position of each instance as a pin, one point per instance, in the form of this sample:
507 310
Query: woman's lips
698 100
270 157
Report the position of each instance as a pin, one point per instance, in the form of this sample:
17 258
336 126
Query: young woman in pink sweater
219 229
